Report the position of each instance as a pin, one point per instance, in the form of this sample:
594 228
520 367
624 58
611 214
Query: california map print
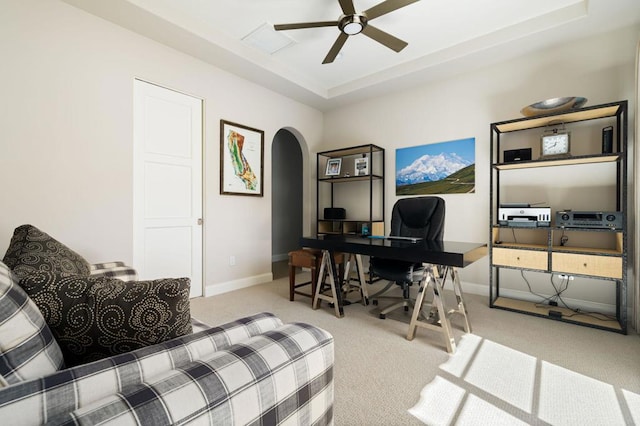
241 160
241 166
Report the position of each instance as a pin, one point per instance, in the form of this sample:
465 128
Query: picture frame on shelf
241 159
333 167
361 166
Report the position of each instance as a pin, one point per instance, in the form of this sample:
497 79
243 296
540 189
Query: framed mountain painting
437 168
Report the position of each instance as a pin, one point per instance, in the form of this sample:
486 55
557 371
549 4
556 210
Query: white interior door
167 185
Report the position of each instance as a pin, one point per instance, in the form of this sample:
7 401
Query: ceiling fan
352 23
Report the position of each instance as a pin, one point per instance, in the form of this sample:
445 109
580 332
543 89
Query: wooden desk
446 254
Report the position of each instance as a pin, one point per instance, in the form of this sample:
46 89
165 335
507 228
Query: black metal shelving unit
373 217
607 261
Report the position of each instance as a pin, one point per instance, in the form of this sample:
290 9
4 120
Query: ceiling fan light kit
352 23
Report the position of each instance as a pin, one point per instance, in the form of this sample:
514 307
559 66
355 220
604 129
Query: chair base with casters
438 317
405 301
402 274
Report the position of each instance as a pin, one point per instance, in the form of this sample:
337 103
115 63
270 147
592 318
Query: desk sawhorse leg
355 260
434 281
335 282
328 265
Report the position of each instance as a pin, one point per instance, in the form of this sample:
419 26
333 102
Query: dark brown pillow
32 250
97 317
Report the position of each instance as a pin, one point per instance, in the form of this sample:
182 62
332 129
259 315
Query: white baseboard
473 288
220 288
467 287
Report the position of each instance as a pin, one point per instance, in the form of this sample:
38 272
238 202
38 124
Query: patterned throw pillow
32 250
27 347
97 317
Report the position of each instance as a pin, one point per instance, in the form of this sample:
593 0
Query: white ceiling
444 36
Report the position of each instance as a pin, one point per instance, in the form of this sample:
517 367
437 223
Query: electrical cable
563 239
559 289
575 311
544 298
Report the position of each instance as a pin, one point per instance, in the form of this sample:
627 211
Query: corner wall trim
279 257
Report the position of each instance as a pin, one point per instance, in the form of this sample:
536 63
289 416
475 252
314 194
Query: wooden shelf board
568 117
567 314
541 247
351 151
588 159
586 250
350 220
560 249
349 178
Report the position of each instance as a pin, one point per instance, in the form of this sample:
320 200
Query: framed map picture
241 159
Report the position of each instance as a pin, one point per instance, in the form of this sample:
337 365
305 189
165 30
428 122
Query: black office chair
419 217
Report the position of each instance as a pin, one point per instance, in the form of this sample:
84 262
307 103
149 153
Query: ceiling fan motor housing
352 24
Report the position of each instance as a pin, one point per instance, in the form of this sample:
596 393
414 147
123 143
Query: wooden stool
311 259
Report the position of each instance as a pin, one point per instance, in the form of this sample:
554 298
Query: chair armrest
283 375
106 265
197 325
36 401
114 270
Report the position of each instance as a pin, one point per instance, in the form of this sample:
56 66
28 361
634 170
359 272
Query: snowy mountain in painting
429 168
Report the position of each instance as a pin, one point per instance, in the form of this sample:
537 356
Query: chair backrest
419 217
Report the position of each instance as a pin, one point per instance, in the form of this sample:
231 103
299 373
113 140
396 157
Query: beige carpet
491 384
379 374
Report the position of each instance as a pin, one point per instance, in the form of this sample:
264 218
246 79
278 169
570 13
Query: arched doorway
286 199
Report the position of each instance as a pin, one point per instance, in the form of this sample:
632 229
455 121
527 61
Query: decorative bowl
553 105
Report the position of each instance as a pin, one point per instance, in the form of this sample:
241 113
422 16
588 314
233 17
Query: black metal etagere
606 262
357 222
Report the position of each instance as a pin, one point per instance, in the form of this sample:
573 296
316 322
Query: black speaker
607 140
521 154
334 213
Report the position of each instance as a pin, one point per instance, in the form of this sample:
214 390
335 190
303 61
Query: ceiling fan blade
386 7
301 25
386 39
347 7
335 49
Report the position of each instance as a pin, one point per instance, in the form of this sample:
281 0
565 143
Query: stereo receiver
589 219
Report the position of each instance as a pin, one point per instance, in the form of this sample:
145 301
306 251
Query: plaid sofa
252 371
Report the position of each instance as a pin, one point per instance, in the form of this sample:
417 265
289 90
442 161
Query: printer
522 215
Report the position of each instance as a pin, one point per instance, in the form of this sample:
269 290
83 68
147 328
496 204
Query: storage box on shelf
597 252
359 180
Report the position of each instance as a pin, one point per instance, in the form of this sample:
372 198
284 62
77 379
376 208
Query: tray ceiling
444 37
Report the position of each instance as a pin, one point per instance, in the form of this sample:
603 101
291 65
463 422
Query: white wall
66 130
66 137
600 69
